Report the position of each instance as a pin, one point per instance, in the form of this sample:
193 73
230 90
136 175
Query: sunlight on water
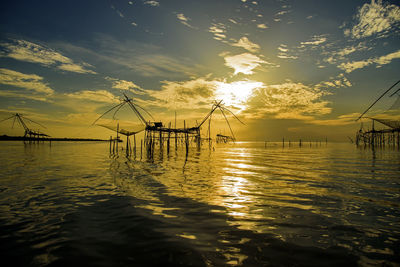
237 205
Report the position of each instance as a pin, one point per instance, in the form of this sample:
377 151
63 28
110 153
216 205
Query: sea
237 204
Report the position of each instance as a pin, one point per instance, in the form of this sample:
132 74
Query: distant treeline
21 138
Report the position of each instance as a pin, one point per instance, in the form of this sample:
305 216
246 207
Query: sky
296 69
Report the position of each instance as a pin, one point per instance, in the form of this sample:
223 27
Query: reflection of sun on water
237 191
234 185
236 93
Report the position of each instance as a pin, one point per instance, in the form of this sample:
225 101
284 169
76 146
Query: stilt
134 145
169 136
117 137
127 145
186 138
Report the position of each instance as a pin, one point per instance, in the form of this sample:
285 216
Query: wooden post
176 145
145 137
161 140
113 146
186 138
117 136
283 142
127 145
209 131
134 144
198 138
151 140
153 143
169 136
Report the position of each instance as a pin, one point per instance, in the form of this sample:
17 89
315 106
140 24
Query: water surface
237 204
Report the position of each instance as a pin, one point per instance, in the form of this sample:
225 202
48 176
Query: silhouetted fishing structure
224 138
156 133
383 137
114 141
389 136
29 134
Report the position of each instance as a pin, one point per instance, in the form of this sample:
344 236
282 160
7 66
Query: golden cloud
374 18
244 63
96 96
201 92
245 43
27 51
379 61
288 101
27 81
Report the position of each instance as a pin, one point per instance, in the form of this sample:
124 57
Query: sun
236 94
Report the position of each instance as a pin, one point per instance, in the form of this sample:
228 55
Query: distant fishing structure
385 137
156 133
29 134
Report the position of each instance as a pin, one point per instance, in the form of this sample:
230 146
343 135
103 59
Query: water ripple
241 204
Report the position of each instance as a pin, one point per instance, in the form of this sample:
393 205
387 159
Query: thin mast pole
135 110
378 100
209 114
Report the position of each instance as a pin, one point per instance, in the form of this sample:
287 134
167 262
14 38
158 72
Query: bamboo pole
134 144
169 136
161 140
127 145
117 136
186 138
209 132
113 146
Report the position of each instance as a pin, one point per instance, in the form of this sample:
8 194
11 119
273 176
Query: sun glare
236 93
